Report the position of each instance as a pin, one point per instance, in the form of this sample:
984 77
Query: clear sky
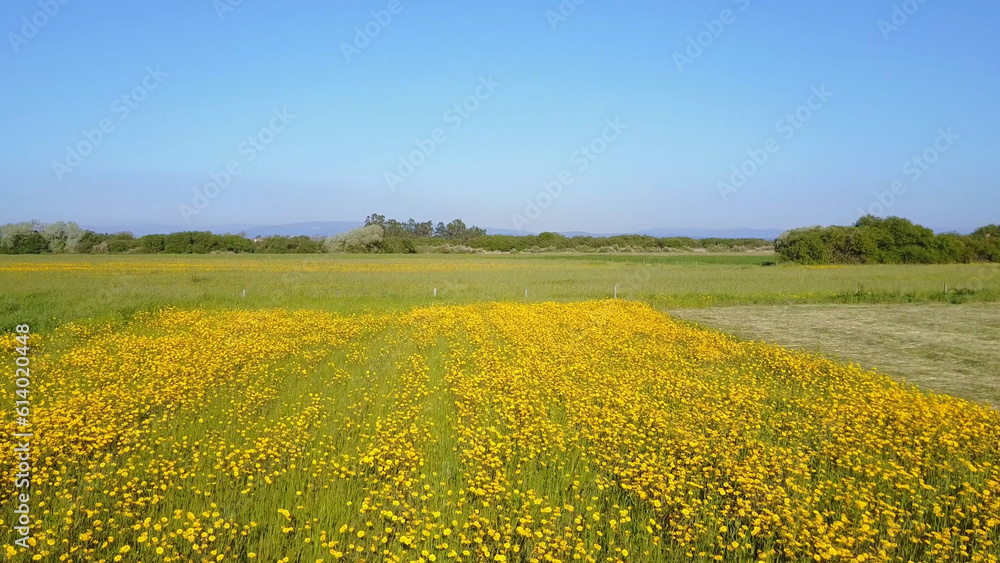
310 116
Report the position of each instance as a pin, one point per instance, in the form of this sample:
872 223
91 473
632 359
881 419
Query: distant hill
137 230
330 228
768 234
323 228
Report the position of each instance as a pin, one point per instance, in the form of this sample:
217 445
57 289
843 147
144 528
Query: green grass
119 286
680 259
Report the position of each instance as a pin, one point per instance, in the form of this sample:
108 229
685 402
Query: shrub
892 240
361 240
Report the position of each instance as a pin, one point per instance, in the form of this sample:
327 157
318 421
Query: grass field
48 291
342 411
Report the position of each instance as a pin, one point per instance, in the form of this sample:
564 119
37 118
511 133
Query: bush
365 239
892 240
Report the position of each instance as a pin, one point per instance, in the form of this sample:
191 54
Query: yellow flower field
597 431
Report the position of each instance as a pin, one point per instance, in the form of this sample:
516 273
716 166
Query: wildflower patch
603 430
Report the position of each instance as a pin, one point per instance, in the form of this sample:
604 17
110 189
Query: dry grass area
952 349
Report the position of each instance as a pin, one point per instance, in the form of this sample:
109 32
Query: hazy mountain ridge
319 228
330 228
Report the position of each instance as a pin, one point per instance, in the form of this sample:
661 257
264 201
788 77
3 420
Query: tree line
871 240
69 238
378 235
391 236
892 240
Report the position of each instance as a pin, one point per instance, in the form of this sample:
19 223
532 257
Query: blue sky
212 82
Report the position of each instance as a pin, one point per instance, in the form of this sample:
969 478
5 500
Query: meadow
305 409
50 290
